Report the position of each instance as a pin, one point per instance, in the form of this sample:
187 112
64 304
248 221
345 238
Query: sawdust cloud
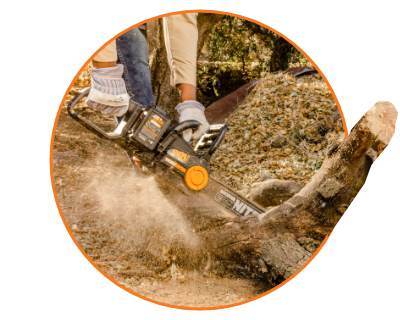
145 218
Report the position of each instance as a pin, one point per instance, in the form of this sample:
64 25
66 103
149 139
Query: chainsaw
155 146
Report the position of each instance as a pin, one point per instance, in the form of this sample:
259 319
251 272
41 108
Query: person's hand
192 110
108 93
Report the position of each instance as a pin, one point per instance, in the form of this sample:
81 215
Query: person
121 72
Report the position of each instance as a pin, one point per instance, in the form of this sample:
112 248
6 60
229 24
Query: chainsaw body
146 134
154 145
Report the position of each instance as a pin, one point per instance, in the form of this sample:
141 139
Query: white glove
193 110
108 93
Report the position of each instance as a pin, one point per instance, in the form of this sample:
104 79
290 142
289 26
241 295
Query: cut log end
381 121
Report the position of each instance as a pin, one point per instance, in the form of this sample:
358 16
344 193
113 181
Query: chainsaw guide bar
154 145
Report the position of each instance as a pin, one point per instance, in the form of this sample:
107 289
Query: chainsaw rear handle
133 112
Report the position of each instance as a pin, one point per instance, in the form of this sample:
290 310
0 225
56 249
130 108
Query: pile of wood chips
281 131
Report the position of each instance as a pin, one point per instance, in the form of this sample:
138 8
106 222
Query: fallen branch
275 244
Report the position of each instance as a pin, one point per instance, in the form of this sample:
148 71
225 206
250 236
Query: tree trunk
280 55
278 242
165 95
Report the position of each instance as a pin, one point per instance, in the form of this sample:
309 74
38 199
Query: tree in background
239 51
233 43
240 41
284 54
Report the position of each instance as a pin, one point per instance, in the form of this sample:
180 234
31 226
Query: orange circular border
51 161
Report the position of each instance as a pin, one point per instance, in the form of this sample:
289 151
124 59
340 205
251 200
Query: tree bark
278 242
165 95
280 55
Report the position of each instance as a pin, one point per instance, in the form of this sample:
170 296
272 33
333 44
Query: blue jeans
133 53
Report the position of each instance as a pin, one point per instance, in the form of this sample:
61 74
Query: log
273 192
277 243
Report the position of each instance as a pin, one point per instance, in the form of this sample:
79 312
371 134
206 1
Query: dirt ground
98 194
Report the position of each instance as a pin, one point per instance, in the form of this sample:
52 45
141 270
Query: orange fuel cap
196 177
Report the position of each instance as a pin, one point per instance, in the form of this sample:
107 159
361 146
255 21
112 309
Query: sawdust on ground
83 166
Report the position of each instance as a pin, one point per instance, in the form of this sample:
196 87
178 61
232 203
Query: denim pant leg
133 53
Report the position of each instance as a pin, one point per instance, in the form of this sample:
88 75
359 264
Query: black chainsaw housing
146 134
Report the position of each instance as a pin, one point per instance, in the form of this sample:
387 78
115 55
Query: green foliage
236 46
239 51
297 59
238 43
213 83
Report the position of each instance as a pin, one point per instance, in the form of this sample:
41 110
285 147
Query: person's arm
181 34
187 91
100 65
107 57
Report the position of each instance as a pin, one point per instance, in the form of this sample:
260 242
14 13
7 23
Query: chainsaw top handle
178 129
133 112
